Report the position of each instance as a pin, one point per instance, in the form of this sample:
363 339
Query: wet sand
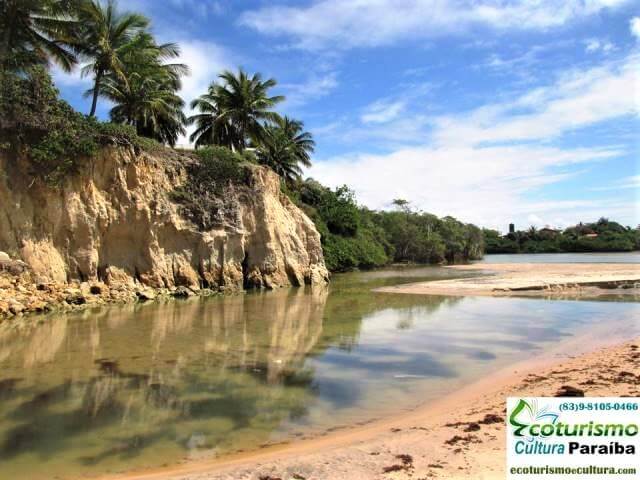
534 279
458 436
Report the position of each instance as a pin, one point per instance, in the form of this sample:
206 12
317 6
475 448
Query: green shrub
202 197
57 139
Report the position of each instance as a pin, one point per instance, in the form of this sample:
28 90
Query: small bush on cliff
202 197
57 139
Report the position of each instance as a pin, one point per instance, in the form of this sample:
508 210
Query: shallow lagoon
149 385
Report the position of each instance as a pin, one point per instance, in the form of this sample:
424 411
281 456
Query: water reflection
143 385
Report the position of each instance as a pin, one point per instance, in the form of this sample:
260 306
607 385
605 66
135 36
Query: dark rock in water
182 292
569 391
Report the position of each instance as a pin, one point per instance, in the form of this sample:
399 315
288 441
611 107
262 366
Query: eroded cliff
116 222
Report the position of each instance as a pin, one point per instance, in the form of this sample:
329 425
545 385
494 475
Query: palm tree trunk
96 86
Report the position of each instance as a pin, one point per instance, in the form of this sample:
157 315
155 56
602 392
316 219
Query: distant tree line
357 237
601 236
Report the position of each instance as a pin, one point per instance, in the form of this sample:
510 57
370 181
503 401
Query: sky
492 111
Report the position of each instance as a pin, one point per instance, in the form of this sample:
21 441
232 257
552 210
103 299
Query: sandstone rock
4 257
116 223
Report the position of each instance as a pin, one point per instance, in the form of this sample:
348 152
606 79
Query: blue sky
492 111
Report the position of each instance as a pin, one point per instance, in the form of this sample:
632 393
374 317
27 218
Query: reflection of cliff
274 329
219 368
34 344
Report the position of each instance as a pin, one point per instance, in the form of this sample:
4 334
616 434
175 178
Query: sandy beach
534 279
459 436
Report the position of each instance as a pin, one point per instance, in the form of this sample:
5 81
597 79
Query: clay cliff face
115 222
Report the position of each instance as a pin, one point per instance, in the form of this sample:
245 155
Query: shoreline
553 280
456 436
21 295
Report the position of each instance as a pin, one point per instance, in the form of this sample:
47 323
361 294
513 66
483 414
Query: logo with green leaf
526 413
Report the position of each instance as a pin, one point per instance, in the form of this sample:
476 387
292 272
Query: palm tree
284 147
240 103
146 93
105 36
149 103
33 32
211 129
301 143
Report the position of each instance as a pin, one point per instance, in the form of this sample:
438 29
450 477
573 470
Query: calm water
148 385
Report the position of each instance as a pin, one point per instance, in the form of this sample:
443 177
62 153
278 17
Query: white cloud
382 111
593 45
391 120
576 99
625 183
202 8
357 23
634 25
483 185
485 165
205 61
316 86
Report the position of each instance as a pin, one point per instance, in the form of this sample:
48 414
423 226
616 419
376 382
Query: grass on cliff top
203 197
57 140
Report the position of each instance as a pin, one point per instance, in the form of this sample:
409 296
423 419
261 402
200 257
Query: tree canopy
234 111
35 32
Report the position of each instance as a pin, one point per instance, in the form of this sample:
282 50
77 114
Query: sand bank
534 279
